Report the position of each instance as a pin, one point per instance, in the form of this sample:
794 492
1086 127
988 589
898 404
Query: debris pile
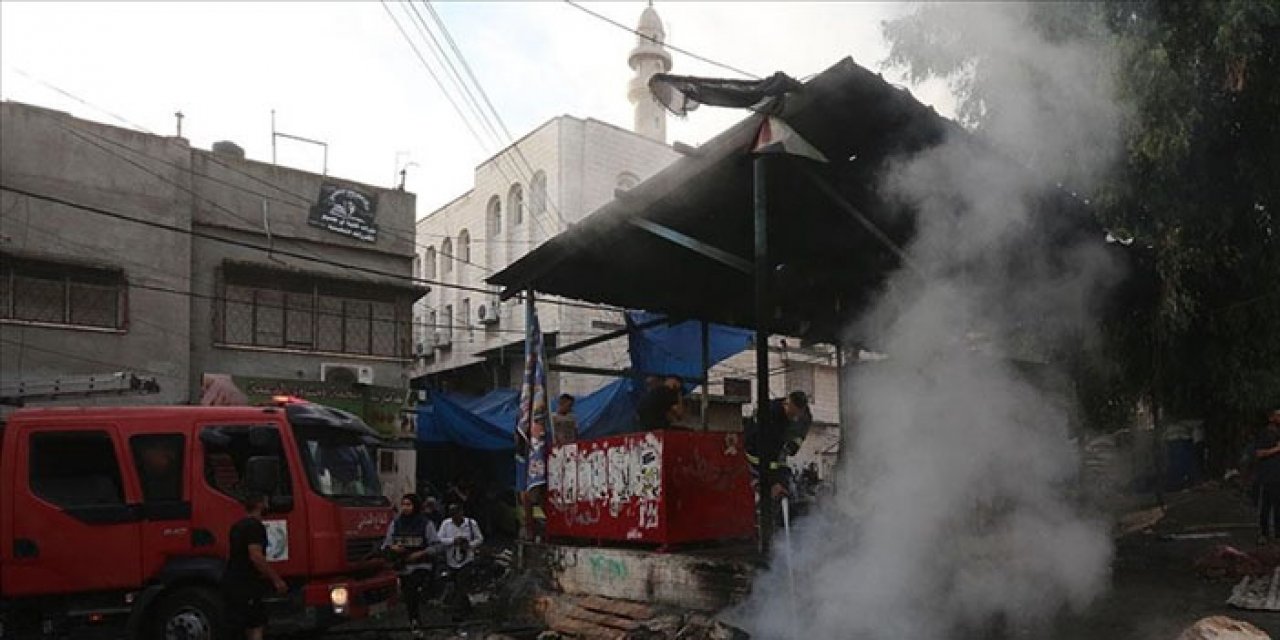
1223 628
1139 521
1258 593
597 617
1227 562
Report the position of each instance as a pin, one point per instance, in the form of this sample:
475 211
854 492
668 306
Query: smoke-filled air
955 514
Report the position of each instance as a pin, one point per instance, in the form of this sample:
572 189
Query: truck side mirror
262 473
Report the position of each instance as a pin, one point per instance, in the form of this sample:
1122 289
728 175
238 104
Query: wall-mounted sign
379 407
345 211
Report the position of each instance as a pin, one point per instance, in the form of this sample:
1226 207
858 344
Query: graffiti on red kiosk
624 478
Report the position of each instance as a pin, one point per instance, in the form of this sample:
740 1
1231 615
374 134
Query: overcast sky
343 73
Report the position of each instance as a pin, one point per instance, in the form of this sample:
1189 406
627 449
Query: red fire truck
116 519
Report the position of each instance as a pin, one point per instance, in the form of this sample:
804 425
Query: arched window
515 202
627 180
493 218
446 247
464 246
538 194
492 231
429 263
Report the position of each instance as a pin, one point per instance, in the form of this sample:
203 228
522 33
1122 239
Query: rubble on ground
1223 628
1258 593
1136 521
1228 562
569 616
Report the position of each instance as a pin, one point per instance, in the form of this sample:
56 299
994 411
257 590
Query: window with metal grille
58 293
266 308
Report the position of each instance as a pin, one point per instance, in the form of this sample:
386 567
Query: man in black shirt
248 577
789 421
1267 452
661 406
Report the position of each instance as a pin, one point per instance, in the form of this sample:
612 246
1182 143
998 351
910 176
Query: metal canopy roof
681 243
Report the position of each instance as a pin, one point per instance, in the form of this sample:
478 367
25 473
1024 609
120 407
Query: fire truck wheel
191 613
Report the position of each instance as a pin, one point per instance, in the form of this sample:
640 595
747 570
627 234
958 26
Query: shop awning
681 243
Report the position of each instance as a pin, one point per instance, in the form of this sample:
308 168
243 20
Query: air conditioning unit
346 373
443 339
487 313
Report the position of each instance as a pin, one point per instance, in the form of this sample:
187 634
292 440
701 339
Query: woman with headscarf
412 538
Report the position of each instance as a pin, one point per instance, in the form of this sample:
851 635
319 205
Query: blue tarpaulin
488 422
677 349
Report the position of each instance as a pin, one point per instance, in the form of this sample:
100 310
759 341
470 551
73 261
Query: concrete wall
172 275
698 582
230 206
41 152
402 477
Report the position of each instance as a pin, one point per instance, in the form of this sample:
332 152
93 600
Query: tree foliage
1197 187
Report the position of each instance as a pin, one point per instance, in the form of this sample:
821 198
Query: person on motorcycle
460 536
411 540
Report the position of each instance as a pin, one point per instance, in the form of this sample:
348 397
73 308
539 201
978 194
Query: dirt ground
1156 591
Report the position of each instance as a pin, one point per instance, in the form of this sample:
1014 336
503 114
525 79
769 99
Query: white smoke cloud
954 516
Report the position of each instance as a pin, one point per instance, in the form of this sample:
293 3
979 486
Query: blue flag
535 414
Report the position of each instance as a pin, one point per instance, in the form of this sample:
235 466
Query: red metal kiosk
659 487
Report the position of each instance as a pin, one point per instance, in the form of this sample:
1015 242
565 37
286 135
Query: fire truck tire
190 613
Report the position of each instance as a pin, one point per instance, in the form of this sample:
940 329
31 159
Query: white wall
582 161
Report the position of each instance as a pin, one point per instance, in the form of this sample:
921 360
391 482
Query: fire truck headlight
338 597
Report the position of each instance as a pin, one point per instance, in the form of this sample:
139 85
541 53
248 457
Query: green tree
1197 188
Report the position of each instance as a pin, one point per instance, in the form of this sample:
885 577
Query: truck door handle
25 548
202 538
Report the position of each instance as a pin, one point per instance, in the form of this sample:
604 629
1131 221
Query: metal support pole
706 373
273 136
764 311
842 416
528 497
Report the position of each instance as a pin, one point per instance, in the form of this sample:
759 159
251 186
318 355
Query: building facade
217 275
529 192
560 172
522 196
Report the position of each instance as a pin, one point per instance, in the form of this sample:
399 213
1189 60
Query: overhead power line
140 266
85 135
479 115
86 103
82 358
283 252
304 201
668 45
466 66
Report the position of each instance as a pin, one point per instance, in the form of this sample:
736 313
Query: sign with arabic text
379 407
345 211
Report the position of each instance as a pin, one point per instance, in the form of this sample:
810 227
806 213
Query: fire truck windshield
339 464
